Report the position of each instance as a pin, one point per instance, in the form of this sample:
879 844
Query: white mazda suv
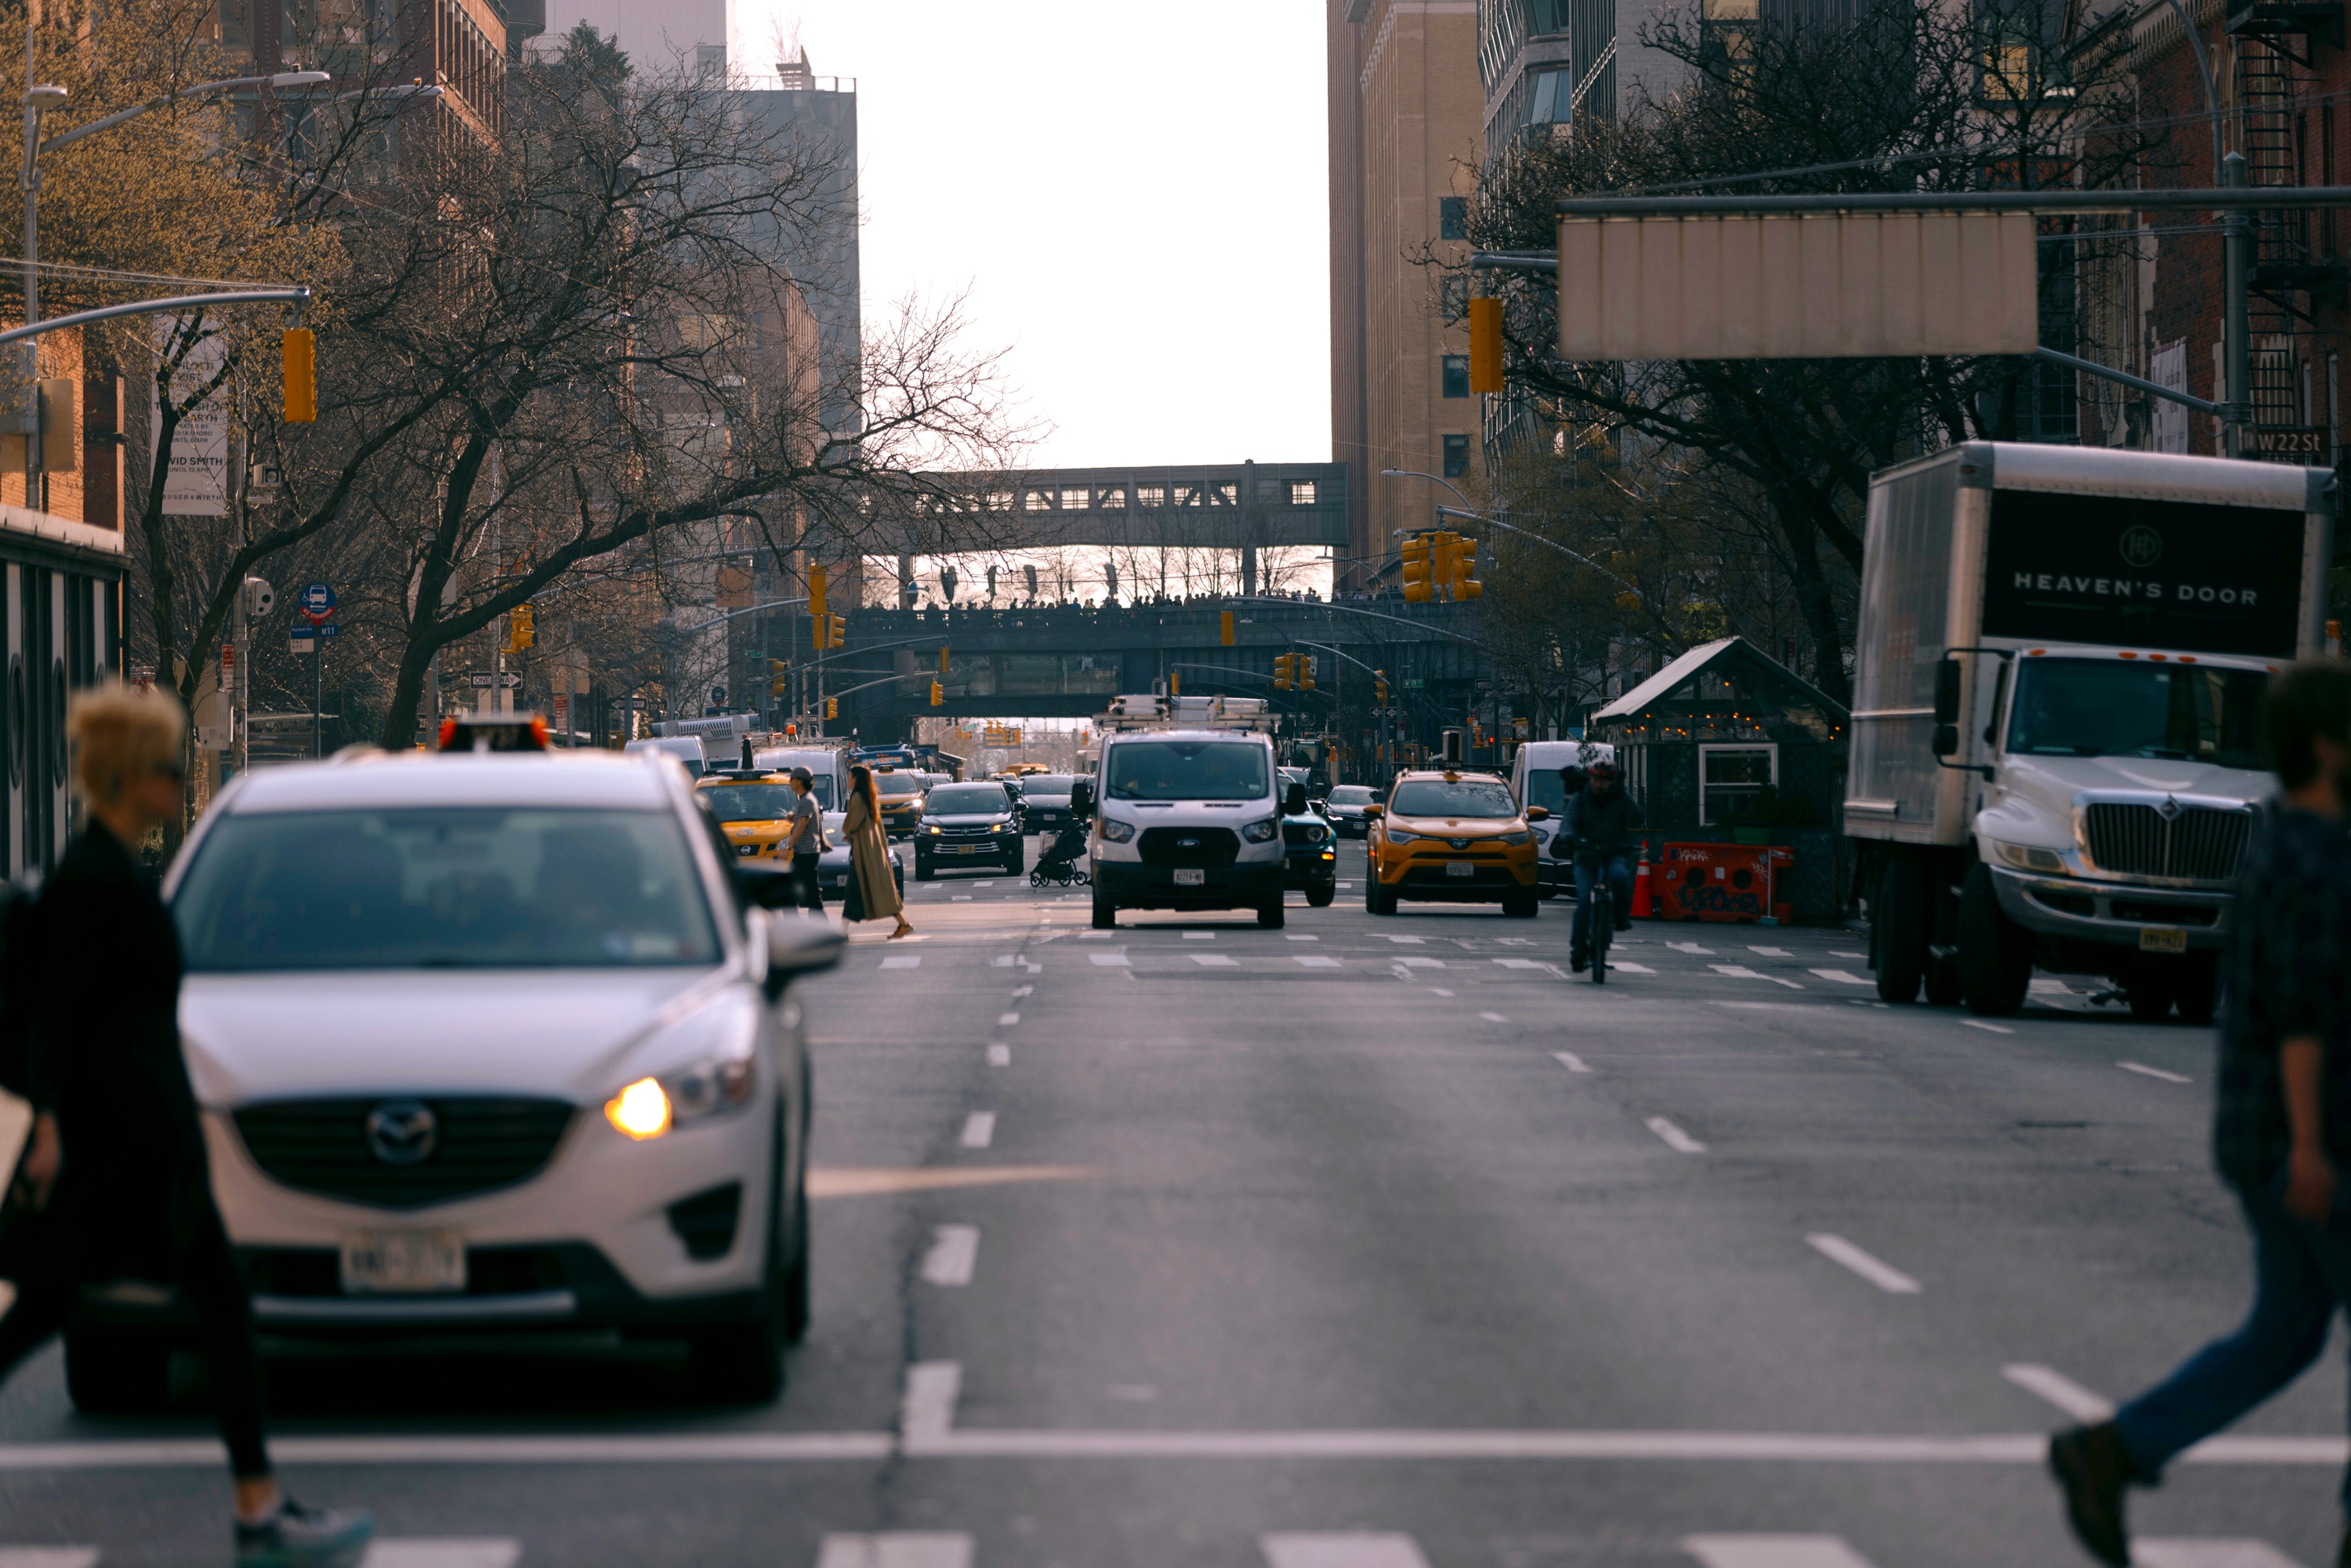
495 1041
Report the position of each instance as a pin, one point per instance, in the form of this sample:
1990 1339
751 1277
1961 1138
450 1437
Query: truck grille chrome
2196 843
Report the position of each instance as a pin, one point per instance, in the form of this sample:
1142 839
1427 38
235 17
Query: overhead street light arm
296 297
280 79
2224 198
1513 261
2092 368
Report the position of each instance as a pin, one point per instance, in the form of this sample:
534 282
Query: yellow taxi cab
1455 837
902 798
755 808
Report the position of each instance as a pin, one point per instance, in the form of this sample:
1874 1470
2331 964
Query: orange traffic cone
1642 908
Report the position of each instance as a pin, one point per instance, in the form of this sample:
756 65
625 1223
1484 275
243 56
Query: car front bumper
2110 913
1246 884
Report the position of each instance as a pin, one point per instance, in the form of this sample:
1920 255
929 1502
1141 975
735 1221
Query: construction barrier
1732 883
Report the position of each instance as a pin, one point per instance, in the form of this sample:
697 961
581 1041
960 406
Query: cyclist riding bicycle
1599 823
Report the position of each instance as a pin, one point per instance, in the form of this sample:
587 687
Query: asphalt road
1361 1244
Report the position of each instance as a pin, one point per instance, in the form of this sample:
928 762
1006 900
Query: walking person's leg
36 1316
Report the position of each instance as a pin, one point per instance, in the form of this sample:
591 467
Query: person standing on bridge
872 891
2281 1132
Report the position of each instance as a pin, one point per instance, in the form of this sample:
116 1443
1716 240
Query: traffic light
943 661
1463 561
1284 666
830 631
938 694
519 632
816 592
1175 683
1380 687
1226 623
1485 345
779 676
299 350
832 707
1419 570
1305 668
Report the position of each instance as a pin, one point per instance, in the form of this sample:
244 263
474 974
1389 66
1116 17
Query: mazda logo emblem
1187 843
402 1132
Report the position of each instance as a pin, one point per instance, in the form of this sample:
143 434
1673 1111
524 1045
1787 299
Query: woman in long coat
869 852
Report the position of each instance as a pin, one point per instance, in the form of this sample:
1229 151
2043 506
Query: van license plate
1191 876
1460 868
403 1263
2161 939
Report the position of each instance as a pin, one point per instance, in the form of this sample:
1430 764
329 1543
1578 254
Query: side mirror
1375 811
1947 699
799 944
1538 814
765 884
1081 798
1946 740
1293 801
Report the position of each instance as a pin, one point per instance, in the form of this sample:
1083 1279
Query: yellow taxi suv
902 793
756 810
1454 837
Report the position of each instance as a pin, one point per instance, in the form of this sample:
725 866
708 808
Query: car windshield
2109 707
967 800
1047 784
1352 795
445 887
1188 770
749 802
892 785
1452 798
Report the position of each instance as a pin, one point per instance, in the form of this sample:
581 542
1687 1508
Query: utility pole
2237 329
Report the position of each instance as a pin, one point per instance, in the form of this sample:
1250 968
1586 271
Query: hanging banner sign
197 482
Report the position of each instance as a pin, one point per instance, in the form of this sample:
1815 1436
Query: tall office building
658 36
1548 64
1407 116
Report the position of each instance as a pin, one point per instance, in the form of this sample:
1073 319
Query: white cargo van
828 769
1186 818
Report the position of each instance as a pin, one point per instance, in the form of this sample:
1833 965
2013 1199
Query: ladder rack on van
1148 710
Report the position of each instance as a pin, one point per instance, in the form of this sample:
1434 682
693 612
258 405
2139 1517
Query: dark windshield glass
1188 770
967 800
1462 798
2113 708
1046 784
1545 789
460 888
1352 795
749 802
891 785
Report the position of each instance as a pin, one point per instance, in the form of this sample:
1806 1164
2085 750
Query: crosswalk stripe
1341 1549
1742 972
905 961
955 1253
1216 961
1773 1551
1316 961
481 1551
896 1549
47 1556
1618 967
2190 1553
1844 977
1876 1270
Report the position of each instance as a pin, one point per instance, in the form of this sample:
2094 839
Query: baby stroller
1058 863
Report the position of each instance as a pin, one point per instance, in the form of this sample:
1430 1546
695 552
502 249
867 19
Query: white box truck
2060 662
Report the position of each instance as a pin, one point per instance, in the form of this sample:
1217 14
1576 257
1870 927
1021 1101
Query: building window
1037 501
1113 498
1554 100
1457 375
1453 217
1151 495
1729 777
1301 492
1457 456
1454 298
1072 500
710 59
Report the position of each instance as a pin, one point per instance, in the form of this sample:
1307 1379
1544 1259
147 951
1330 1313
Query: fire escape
2297 265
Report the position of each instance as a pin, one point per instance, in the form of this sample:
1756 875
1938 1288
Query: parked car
969 827
496 1042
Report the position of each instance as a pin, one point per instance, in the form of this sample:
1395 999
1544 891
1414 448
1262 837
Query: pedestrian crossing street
1285 1549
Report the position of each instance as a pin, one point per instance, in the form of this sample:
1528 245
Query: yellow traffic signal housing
1462 562
816 591
1175 683
943 661
1419 570
1305 668
520 634
938 695
1485 345
1380 687
299 350
778 687
1282 665
1225 622
836 632
832 707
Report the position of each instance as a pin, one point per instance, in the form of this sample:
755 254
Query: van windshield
2107 707
1188 770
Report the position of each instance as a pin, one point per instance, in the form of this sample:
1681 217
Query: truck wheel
2150 992
1106 914
1995 955
2200 992
1320 897
1901 915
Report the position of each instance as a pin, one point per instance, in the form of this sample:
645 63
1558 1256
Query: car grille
1189 846
2201 843
480 1145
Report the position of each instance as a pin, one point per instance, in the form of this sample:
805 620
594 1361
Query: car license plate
963 848
1191 876
1460 868
2162 939
403 1263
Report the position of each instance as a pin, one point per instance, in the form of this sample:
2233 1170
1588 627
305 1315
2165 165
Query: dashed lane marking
1406 941
1691 947
476 1552
2049 1384
1674 1138
1294 937
896 1549
1773 1551
999 1056
1317 961
1742 972
47 1556
955 1253
1439 991
1618 965
1988 1028
1843 952
1020 991
1199 936
1006 1021
1493 1017
1349 1549
1518 963
979 1130
903 961
1216 961
1570 1060
1415 962
1109 961
1771 952
1877 1272
1844 977
2145 1070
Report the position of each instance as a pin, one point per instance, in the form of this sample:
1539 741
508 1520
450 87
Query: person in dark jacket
116 1158
1598 824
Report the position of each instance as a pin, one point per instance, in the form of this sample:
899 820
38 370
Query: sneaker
299 1537
2093 1470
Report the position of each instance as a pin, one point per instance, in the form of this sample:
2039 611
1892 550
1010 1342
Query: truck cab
2061 661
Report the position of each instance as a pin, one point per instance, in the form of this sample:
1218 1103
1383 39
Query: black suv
1045 801
1310 849
968 825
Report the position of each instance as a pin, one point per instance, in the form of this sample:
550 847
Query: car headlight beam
641 1109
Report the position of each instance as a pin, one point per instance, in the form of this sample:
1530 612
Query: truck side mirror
1946 740
1947 700
1293 801
1081 798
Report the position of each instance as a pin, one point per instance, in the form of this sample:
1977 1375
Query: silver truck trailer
2060 663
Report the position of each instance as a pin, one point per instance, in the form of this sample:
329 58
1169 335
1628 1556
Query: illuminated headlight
1262 831
1003 827
2030 857
1523 836
935 830
722 1081
1116 832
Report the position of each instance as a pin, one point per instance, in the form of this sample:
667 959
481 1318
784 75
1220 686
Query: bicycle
1602 926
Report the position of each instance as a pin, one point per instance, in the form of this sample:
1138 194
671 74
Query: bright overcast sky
1134 195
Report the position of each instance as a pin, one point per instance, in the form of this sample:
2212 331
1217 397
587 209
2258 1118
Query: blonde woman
873 890
116 1154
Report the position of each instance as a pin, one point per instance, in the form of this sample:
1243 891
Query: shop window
1729 777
